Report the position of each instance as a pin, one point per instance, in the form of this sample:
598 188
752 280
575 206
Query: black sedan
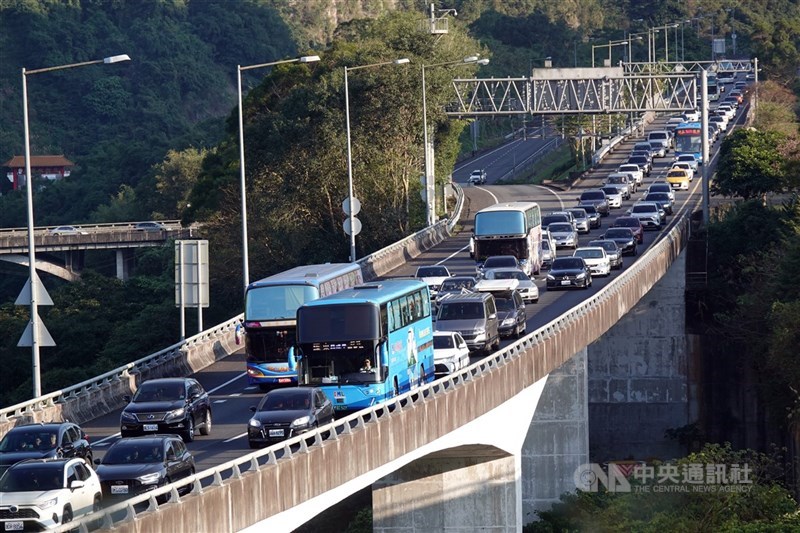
167 405
43 441
568 272
285 413
624 237
136 465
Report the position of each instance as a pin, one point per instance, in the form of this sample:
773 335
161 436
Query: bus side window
403 312
397 323
418 306
426 304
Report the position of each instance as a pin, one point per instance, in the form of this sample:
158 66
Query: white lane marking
488 191
560 202
212 391
235 394
220 401
101 444
449 257
103 440
236 437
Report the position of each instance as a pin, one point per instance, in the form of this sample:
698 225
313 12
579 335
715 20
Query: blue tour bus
270 310
368 343
688 140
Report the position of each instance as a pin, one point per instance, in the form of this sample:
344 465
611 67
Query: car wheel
97 505
253 445
188 436
206 429
89 461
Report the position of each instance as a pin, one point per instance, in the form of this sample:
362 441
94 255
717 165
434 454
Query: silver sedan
564 234
526 287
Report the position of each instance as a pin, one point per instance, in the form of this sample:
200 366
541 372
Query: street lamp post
34 279
666 28
239 69
430 205
638 37
351 210
609 45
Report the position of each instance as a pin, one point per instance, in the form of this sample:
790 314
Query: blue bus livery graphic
368 343
270 317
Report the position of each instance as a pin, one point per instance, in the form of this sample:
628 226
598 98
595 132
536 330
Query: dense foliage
766 507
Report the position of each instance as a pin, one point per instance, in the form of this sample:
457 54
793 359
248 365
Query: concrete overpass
512 429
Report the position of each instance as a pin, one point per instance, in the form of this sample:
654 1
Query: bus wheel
421 378
396 387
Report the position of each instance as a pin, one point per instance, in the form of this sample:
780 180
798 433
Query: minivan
473 315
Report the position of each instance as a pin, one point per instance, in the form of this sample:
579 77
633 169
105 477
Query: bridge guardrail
103 394
170 224
608 305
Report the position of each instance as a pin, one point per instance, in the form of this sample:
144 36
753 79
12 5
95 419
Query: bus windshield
278 302
500 223
331 323
269 345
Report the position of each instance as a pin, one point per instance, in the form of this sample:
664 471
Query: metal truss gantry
631 88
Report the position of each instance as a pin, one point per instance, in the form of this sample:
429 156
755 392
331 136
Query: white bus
511 228
270 316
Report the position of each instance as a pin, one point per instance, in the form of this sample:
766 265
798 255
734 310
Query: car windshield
560 227
549 219
589 254
504 304
457 284
663 187
134 452
33 478
627 222
590 209
676 174
293 400
611 191
593 195
567 263
657 197
442 342
608 246
629 168
510 274
160 392
619 233
643 209
431 272
23 440
495 262
615 179
638 159
578 213
461 311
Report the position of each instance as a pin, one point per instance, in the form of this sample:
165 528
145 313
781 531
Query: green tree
750 165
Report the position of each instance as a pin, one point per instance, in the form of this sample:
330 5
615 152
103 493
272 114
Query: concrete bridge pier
496 472
74 260
124 263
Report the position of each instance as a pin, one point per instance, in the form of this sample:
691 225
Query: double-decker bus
689 140
270 309
368 343
510 228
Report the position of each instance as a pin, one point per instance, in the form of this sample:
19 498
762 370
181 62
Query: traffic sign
356 226
356 207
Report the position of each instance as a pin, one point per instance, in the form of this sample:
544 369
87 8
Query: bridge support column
456 490
557 442
74 260
639 379
124 264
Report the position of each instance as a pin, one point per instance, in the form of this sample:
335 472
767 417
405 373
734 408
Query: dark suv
140 464
42 441
167 405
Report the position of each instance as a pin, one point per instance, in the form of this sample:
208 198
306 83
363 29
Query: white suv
39 494
478 176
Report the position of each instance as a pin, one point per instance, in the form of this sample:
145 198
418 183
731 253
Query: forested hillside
157 137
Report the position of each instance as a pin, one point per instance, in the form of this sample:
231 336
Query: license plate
566 282
119 489
14 526
276 433
284 380
339 407
150 427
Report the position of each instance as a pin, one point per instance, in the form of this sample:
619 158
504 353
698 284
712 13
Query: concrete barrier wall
388 431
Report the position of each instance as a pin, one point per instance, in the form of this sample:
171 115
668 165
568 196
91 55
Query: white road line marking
236 437
235 394
212 391
487 190
453 255
220 401
560 202
101 441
